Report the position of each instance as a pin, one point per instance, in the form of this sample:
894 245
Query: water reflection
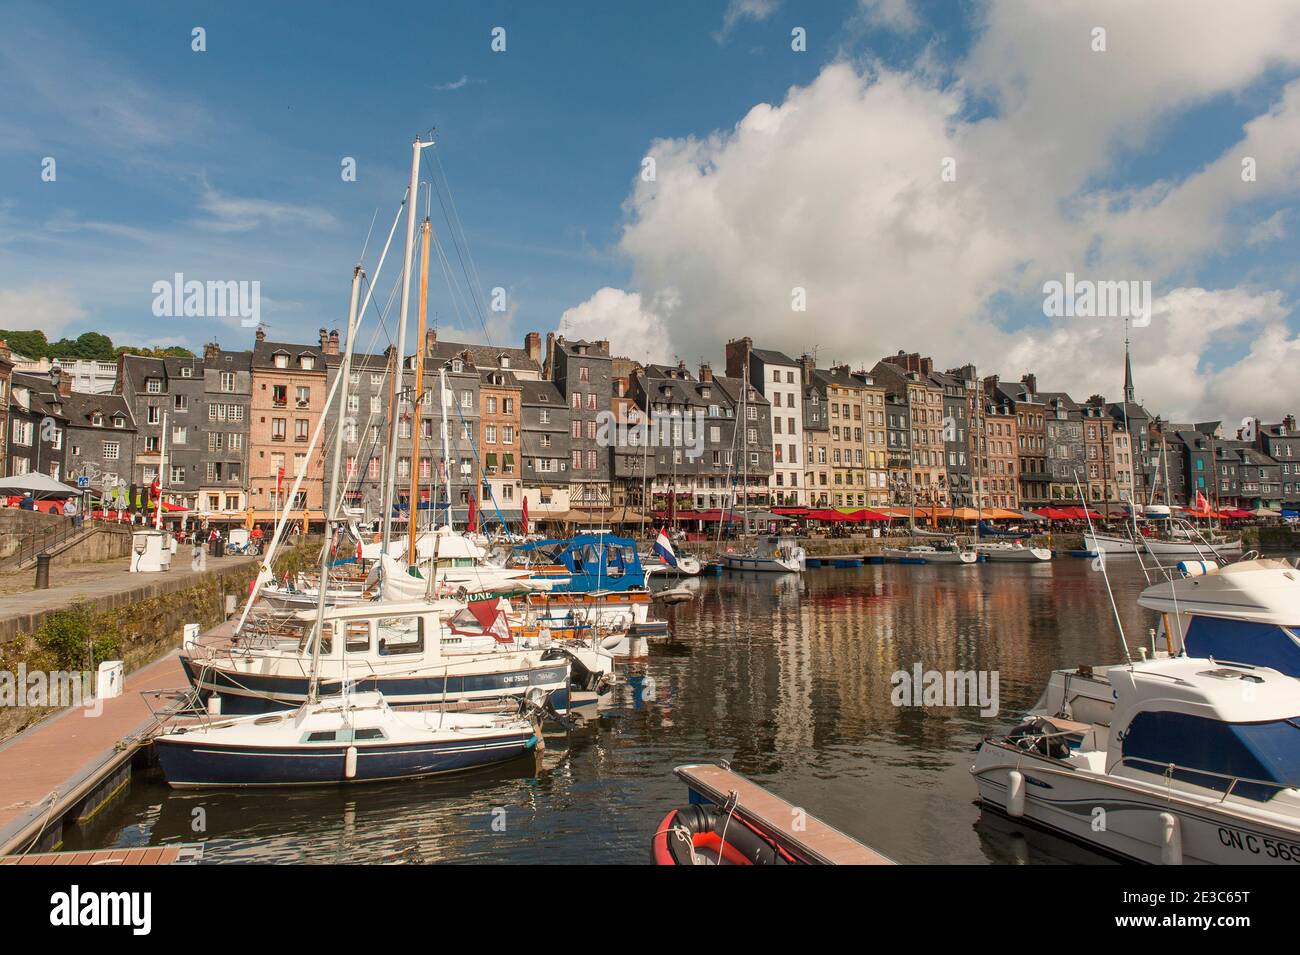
787 677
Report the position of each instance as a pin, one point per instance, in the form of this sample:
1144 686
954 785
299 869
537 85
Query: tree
31 344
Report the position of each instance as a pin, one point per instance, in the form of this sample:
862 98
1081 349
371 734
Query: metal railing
46 539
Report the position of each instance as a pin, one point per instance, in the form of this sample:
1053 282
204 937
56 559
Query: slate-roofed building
544 449
169 390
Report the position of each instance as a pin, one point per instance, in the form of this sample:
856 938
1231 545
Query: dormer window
457 365
119 421
306 362
281 361
187 371
505 361
97 420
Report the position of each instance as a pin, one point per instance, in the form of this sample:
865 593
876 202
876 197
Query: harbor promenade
104 585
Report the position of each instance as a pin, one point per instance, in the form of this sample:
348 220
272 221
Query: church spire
1128 369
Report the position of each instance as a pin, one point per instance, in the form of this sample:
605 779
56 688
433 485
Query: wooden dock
184 853
69 765
792 827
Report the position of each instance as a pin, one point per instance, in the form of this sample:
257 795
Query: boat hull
769 565
1111 544
247 692
1024 555
1125 818
188 761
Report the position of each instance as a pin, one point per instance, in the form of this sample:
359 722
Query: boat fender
350 763
1171 839
1015 794
214 705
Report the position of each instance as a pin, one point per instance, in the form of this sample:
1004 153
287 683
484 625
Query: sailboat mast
391 484
418 399
162 469
331 513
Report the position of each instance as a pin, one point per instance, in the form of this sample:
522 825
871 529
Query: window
153 415
153 386
177 474
111 450
181 402
227 381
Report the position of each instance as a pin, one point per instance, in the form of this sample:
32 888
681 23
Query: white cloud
229 213
49 308
838 190
616 316
1270 230
894 14
738 10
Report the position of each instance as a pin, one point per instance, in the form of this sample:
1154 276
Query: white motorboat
1246 612
350 738
1014 551
407 651
781 555
1200 763
925 554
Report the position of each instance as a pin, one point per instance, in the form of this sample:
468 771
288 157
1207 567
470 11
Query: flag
523 521
279 480
472 521
1201 503
664 548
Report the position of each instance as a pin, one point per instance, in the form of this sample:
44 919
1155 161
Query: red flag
279 479
472 521
523 521
154 489
1201 503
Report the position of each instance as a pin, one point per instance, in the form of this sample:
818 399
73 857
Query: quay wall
137 624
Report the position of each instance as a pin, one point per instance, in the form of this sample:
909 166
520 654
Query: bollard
42 571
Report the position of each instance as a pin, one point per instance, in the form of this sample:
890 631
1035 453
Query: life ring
693 835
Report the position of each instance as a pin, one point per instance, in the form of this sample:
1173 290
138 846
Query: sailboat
346 738
770 554
403 649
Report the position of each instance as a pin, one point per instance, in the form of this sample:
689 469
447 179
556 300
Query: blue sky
226 165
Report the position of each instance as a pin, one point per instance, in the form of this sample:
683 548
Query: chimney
603 345
807 367
533 345
737 352
260 334
65 385
334 342
324 340
548 370
706 373
1030 381
681 367
210 351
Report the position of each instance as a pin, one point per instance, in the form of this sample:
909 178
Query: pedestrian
70 510
27 503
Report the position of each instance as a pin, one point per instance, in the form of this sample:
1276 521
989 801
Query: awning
492 460
37 484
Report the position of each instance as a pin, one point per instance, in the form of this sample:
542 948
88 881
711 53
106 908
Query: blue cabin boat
587 562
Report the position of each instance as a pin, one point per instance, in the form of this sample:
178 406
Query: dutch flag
664 548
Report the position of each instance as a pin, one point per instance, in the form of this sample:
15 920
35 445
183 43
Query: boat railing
1168 770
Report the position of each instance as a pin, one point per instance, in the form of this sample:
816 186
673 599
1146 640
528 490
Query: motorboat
406 651
1199 763
1245 612
336 740
780 555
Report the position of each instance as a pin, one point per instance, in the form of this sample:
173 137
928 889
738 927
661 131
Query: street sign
83 482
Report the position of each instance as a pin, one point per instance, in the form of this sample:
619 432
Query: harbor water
789 678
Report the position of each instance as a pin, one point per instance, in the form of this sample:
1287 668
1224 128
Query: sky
846 178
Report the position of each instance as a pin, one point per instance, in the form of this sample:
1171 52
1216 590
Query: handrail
46 538
1168 768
